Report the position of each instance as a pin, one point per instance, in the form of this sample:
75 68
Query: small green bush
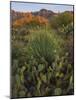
42 45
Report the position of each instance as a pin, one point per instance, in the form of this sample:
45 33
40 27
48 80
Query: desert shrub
43 45
62 22
69 47
68 30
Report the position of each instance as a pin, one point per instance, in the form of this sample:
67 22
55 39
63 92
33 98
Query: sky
31 7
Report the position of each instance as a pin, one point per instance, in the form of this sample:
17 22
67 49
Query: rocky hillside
43 12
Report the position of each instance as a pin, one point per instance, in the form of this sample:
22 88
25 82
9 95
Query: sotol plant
43 45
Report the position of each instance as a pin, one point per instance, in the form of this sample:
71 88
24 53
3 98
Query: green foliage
43 45
36 78
42 60
40 67
63 23
58 91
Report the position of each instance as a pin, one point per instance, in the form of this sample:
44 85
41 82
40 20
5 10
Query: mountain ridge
48 14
